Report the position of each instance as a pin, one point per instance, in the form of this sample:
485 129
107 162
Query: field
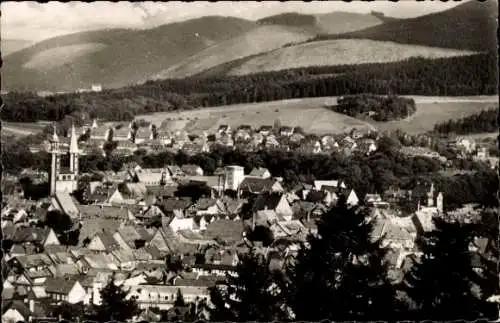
255 41
342 51
22 129
311 115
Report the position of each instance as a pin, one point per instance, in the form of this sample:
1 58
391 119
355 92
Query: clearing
22 128
341 51
313 117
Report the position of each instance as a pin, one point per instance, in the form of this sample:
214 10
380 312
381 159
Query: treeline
379 108
484 121
469 75
366 174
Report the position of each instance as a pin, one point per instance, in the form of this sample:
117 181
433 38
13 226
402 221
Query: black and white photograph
237 161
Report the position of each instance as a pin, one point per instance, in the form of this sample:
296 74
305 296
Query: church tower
430 196
64 178
56 162
439 203
73 152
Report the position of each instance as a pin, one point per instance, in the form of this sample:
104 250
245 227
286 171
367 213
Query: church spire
55 138
73 148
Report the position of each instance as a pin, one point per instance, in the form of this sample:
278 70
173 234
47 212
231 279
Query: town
260 162
132 223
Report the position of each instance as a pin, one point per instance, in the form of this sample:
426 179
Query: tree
115 306
193 190
255 295
179 299
441 283
59 222
340 274
263 234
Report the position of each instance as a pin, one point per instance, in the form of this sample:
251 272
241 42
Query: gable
51 239
96 244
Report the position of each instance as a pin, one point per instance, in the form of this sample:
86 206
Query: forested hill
468 75
469 26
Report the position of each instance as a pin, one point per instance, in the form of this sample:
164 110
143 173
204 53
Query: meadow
313 117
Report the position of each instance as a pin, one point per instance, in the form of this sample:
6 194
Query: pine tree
115 306
441 284
179 299
254 295
340 274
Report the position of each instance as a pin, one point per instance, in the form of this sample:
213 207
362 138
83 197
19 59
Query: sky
33 21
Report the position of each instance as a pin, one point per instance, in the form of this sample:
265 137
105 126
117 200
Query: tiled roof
29 234
190 169
257 185
107 239
205 203
226 230
259 172
62 270
59 285
267 201
169 205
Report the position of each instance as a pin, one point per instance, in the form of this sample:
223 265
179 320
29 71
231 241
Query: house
98 261
393 236
175 206
65 290
307 210
163 296
265 130
286 131
272 142
212 269
174 170
371 199
352 199
130 237
193 148
178 223
253 185
16 311
128 193
289 229
33 235
103 242
276 202
208 206
467 145
260 172
224 230
192 170
335 183
224 129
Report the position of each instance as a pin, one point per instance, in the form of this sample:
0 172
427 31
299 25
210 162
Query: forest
484 121
379 108
468 75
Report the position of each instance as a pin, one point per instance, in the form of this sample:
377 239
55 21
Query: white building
234 175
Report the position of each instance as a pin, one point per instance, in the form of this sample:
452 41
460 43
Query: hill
10 46
336 52
258 40
337 22
114 57
469 26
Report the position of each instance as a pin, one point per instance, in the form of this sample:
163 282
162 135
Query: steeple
73 148
55 138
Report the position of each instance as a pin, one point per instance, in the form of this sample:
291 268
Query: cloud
36 21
